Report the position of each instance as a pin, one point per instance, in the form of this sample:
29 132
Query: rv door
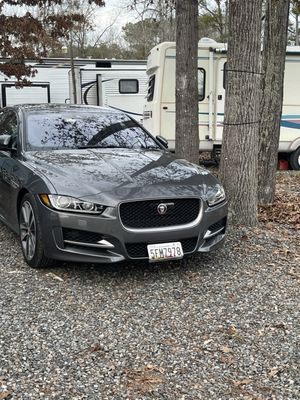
220 99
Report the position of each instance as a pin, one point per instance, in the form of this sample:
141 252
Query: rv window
201 84
128 86
151 85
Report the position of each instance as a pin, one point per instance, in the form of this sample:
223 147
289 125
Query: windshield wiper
116 147
101 147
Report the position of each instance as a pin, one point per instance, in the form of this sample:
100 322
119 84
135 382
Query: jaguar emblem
162 208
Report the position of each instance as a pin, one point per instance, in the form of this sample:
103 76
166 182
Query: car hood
120 174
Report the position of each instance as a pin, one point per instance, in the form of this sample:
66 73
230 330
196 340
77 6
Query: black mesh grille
218 225
144 214
76 235
139 250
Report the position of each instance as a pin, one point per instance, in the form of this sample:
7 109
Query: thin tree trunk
187 134
273 64
73 69
297 30
241 122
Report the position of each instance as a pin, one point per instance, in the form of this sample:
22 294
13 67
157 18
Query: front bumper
103 239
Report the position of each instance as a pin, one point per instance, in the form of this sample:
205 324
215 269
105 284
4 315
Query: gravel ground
218 326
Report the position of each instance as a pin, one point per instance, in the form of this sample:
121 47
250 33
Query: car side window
9 125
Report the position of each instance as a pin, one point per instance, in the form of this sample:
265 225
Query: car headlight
217 196
67 203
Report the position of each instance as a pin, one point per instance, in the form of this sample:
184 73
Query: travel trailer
50 85
159 108
119 84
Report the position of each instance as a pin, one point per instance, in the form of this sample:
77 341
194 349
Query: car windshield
75 129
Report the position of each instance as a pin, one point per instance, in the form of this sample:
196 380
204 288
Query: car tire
295 160
30 234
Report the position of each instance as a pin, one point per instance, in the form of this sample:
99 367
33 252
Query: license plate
164 251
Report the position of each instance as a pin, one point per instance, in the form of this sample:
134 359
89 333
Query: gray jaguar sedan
89 184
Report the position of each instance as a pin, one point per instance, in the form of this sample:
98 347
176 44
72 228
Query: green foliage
141 37
213 19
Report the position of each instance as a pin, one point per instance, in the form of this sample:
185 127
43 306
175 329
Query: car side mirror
162 141
5 142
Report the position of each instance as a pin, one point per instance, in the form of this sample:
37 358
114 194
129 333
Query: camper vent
103 64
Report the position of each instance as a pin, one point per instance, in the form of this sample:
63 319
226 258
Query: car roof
56 107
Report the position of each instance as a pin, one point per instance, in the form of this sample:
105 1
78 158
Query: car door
9 165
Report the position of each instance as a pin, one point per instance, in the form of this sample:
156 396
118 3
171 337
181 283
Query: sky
115 8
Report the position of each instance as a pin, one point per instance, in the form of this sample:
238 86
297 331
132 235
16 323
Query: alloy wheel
28 230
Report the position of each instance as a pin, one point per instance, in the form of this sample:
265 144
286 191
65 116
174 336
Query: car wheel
30 234
295 159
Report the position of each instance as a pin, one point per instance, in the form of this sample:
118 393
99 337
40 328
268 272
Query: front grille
77 235
144 214
139 250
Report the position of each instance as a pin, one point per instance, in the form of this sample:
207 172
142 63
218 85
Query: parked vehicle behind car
89 184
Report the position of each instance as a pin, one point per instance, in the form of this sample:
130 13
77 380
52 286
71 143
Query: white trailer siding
102 86
159 108
290 121
55 77
36 93
97 83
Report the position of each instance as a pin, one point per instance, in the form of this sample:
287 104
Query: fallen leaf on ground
151 367
244 237
206 342
293 273
5 394
197 386
232 331
273 371
96 347
169 342
54 276
245 381
143 380
285 209
226 349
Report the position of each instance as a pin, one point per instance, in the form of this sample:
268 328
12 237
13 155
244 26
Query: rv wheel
295 160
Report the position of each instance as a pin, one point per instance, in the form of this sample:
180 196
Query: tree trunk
297 30
273 64
187 134
74 91
241 122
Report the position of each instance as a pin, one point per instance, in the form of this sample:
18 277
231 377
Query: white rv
119 84
159 108
50 85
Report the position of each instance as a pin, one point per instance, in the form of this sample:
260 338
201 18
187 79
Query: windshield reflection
73 130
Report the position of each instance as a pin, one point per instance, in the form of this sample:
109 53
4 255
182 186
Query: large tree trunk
241 122
273 64
187 135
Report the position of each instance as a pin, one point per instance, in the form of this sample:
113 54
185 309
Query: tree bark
241 123
187 134
74 91
273 64
297 30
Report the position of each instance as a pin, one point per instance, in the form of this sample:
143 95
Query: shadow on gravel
126 270
137 270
